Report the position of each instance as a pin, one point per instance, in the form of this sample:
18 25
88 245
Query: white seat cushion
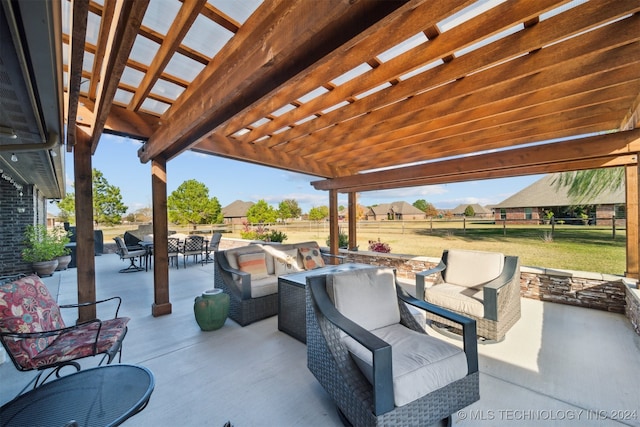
457 298
265 286
472 268
421 363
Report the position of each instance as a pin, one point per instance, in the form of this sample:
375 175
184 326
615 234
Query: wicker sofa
482 285
249 274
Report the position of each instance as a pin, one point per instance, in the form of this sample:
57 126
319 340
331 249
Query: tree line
190 203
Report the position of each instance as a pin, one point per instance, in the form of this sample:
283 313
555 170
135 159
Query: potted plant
62 238
43 247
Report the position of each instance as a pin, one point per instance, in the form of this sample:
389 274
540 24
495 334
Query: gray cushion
366 296
421 363
457 298
472 268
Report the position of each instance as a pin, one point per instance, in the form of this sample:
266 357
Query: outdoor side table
101 396
292 318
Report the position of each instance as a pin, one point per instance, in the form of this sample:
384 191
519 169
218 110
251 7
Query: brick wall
633 307
16 212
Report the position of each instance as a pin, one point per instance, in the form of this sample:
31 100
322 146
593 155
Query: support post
85 247
161 304
353 221
333 222
632 190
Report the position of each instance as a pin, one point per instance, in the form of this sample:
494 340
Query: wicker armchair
352 346
482 285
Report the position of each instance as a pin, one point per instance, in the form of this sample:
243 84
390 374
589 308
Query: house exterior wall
16 212
519 215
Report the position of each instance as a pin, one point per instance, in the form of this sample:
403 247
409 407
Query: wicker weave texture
291 310
330 362
244 311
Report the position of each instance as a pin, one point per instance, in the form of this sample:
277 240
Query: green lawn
573 247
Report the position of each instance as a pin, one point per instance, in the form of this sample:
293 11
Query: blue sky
231 180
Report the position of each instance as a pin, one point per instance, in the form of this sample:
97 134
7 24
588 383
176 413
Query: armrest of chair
420 276
494 292
469 332
329 255
85 304
228 273
381 351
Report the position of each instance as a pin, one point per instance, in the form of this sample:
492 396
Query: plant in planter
379 246
43 247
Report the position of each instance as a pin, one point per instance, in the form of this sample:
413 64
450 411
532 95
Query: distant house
530 205
236 212
478 210
396 211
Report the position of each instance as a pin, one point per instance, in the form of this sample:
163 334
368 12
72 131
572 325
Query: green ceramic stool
211 309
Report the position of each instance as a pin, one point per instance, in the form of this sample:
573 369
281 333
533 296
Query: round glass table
102 396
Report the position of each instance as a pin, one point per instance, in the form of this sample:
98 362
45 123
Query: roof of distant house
236 209
478 209
545 192
403 208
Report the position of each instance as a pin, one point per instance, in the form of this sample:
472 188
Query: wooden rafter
302 36
601 146
186 16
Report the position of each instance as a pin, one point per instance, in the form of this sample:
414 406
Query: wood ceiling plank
106 18
187 15
221 18
478 120
293 40
80 11
473 92
121 38
181 49
134 124
619 143
223 147
530 64
344 59
561 166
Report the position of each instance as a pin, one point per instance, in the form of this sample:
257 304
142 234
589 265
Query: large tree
288 209
318 213
107 201
190 204
590 183
67 208
262 213
426 207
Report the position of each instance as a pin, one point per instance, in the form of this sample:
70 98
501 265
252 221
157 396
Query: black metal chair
131 255
192 246
173 250
212 247
41 340
351 351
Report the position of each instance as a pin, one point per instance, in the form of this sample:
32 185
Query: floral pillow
311 258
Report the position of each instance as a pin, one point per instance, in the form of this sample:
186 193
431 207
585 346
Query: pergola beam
601 146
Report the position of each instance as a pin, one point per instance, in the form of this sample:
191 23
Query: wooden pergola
365 95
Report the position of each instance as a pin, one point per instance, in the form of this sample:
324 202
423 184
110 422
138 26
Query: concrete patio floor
559 365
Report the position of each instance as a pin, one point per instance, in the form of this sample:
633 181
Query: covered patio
364 95
559 365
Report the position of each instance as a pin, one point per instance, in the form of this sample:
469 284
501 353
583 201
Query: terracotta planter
45 268
63 262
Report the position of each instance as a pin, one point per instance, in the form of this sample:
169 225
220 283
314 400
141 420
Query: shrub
43 244
343 239
379 246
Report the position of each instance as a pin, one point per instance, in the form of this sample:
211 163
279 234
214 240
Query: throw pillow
286 262
253 263
311 258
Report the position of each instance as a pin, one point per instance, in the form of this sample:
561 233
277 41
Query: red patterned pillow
311 258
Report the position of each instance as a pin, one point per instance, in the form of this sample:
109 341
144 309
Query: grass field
573 247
